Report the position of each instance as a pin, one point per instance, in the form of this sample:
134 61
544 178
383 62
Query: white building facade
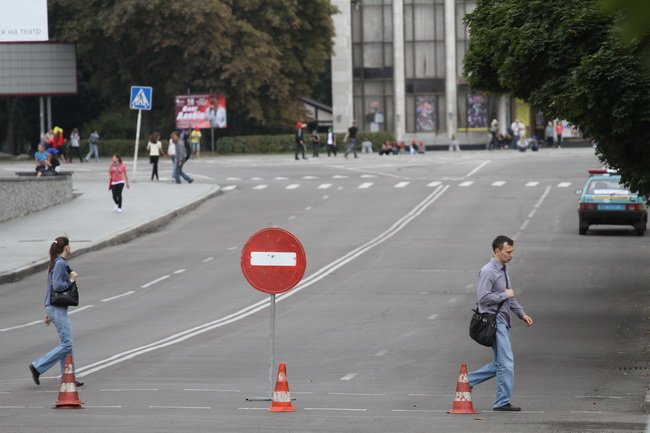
397 67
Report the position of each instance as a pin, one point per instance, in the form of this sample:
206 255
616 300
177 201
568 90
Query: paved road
171 338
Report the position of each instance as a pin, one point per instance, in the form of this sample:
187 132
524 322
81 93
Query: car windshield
607 187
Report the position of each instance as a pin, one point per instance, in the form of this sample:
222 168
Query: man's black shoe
507 408
35 374
78 384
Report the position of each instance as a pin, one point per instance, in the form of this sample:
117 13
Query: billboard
201 111
23 21
38 69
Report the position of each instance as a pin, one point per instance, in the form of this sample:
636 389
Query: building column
451 96
342 78
399 82
502 114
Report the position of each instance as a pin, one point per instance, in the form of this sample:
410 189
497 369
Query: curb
114 239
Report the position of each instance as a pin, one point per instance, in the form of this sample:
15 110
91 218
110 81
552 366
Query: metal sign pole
137 139
272 338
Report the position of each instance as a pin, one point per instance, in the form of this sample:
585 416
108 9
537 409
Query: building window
372 60
424 64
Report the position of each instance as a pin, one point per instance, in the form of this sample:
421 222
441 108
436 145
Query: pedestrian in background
195 140
300 141
154 146
549 133
117 178
93 142
171 152
59 278
331 142
454 144
494 293
351 139
315 143
559 130
181 157
75 145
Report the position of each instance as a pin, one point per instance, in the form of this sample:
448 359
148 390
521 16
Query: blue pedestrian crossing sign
141 98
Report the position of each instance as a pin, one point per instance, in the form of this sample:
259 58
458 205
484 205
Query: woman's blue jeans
61 322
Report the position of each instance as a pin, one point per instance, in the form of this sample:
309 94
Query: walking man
351 139
93 142
494 292
300 141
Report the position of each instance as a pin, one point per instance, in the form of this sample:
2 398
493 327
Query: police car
603 200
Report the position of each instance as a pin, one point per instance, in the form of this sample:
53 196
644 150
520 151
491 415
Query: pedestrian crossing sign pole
140 100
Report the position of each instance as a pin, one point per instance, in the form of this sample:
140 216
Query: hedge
286 142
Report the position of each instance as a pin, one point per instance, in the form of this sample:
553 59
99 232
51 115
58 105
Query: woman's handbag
66 298
483 326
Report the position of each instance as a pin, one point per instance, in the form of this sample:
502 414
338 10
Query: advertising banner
23 21
201 111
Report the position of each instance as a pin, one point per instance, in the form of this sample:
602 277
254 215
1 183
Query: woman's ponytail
56 249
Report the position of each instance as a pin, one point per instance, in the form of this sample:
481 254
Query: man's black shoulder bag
483 326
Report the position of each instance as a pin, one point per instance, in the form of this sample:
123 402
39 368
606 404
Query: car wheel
584 226
640 228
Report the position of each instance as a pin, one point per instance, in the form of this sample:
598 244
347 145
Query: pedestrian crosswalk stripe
229 187
257 178
563 184
339 176
466 183
260 186
434 184
365 185
233 178
368 176
531 184
281 178
293 186
324 186
309 177
499 183
401 184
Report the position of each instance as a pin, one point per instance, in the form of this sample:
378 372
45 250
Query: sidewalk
89 220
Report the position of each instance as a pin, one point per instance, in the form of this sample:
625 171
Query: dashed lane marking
381 352
349 376
309 177
532 184
293 186
368 176
332 409
76 310
229 187
129 390
324 186
208 259
258 187
112 298
432 317
365 185
257 178
499 183
151 283
230 179
564 184
340 176
466 183
281 178
210 390
181 407
401 184
434 184
356 394
180 271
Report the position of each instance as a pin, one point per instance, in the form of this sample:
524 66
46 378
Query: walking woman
75 145
117 178
171 152
59 278
155 150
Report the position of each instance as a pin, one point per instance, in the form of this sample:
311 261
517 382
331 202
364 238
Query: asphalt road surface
171 338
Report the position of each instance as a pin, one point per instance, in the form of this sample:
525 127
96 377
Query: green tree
567 58
263 55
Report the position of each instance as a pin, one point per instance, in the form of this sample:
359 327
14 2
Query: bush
286 142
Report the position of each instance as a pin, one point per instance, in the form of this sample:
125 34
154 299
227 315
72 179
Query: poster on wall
23 21
477 111
201 111
426 117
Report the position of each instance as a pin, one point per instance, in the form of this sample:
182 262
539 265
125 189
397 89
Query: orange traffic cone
281 395
68 396
463 399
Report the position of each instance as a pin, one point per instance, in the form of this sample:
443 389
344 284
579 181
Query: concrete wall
22 195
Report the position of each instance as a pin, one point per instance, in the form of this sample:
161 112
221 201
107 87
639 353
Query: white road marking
180 407
324 186
128 389
229 187
209 259
339 188
480 166
564 184
257 178
157 280
368 176
381 352
354 393
524 225
469 286
432 317
308 208
252 408
233 178
365 185
349 376
35 322
281 178
103 407
232 248
292 217
532 213
180 271
531 184
466 183
335 409
420 410
325 197
12 407
401 184
112 298
210 390
499 183
451 301
340 176
541 199
76 310
617 397
434 184
293 186
258 187
309 177
264 303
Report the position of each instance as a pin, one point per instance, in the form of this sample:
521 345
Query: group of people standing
350 138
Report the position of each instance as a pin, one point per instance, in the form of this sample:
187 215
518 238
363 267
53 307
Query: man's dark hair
499 241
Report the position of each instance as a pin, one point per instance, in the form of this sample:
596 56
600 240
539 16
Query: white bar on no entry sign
270 258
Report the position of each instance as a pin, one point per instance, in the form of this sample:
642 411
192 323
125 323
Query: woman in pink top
116 179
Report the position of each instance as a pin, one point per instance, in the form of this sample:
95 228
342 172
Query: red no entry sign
273 260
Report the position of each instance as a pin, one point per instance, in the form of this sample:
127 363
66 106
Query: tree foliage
263 55
568 59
